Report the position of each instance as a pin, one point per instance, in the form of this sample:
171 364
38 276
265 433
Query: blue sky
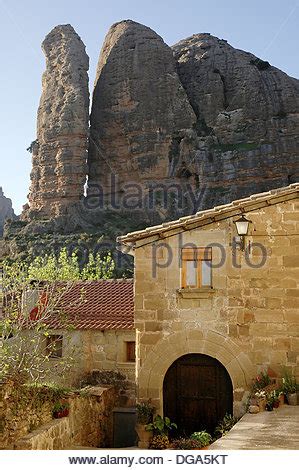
267 28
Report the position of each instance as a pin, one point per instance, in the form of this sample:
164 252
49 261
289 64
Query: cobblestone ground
278 429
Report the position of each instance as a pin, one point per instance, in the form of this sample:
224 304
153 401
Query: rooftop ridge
211 213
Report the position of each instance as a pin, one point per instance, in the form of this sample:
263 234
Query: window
196 267
130 350
54 346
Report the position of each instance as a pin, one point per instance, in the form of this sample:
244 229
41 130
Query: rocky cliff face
6 210
202 122
140 111
232 131
60 151
247 119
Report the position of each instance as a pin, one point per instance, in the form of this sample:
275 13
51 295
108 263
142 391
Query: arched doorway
197 392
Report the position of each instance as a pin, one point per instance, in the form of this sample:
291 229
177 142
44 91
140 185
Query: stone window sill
196 293
126 364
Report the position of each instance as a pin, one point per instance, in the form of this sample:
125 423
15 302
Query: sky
268 29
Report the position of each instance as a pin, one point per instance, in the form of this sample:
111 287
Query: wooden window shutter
130 351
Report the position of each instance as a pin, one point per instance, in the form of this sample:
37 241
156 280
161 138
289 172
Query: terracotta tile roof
98 305
215 214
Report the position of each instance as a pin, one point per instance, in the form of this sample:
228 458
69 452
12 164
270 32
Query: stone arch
171 347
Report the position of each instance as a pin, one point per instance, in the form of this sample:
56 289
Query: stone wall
249 320
105 351
99 358
22 410
28 424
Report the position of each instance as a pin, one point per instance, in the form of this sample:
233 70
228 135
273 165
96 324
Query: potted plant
272 400
160 428
185 444
203 439
60 409
261 399
145 413
289 387
281 397
261 381
225 425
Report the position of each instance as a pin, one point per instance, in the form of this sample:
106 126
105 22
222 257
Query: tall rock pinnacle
59 154
140 111
6 210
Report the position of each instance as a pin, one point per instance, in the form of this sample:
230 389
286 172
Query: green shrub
225 425
161 425
145 412
160 442
203 438
185 444
289 384
261 381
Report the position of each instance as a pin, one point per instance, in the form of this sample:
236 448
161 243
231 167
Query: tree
34 305
66 267
30 313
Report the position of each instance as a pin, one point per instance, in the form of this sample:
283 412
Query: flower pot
269 407
292 399
276 404
262 404
281 399
61 413
144 436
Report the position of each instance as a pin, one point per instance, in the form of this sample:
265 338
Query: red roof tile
98 305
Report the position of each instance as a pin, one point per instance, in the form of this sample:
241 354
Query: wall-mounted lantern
242 225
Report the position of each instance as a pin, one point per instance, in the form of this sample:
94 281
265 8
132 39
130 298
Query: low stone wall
53 435
23 409
89 423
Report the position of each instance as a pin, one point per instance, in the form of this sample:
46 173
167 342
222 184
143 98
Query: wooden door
197 392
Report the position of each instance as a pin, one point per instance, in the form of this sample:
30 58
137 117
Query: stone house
101 337
213 309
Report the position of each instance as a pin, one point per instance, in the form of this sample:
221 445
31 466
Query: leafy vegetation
161 425
145 412
185 443
159 442
261 381
63 267
289 384
225 425
203 438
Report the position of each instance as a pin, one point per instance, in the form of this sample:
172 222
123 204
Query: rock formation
140 111
217 122
247 119
60 151
6 210
232 133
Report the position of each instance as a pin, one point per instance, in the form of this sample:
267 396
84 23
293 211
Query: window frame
131 351
56 353
197 255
